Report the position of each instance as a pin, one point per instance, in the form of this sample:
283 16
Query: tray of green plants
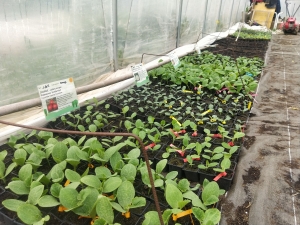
253 34
191 121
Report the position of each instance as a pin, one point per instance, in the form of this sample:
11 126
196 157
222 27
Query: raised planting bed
250 43
190 120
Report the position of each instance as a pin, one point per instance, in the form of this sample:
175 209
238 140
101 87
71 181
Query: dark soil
249 141
241 215
253 175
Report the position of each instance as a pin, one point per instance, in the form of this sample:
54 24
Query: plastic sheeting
46 40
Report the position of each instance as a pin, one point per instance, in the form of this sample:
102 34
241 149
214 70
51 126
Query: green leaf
59 152
111 184
212 215
92 128
173 196
134 153
161 165
48 201
34 194
117 207
198 213
18 187
102 172
151 218
171 175
12 204
125 194
68 198
112 150
72 175
138 202
2 169
57 175
210 193
195 199
184 185
29 214
55 189
91 180
128 172
3 154
104 210
10 168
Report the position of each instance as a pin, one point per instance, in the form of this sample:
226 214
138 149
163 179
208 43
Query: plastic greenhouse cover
44 41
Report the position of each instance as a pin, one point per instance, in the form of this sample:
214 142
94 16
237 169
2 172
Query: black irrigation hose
99 134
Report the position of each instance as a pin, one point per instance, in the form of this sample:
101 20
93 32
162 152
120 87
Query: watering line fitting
100 134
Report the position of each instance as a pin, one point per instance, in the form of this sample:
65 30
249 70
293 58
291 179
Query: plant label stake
249 105
223 174
173 118
140 74
58 98
181 214
174 59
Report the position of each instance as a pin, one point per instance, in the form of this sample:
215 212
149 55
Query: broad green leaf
171 175
68 198
195 199
25 172
213 215
161 165
173 196
72 175
29 214
12 204
134 153
151 218
104 210
59 152
102 172
3 154
2 169
10 168
34 194
48 201
88 198
18 187
198 213
128 172
57 175
55 189
125 194
211 189
110 151
183 185
138 202
111 184
117 207
91 180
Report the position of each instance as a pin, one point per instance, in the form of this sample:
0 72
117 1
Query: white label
140 74
58 98
174 59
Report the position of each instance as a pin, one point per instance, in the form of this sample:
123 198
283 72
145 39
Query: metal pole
204 25
115 33
231 13
179 24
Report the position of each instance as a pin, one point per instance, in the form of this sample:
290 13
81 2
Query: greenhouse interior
130 112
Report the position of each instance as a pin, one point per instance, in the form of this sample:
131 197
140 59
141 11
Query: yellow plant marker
67 183
186 91
182 214
224 101
200 122
204 113
127 215
236 100
90 165
61 208
173 118
249 105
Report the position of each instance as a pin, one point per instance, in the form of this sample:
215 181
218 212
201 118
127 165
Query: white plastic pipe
276 20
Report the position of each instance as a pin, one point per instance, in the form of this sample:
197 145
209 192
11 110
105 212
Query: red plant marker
231 143
181 153
173 146
217 136
194 159
195 134
181 132
174 132
150 146
223 174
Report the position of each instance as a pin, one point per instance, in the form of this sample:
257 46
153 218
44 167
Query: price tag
58 98
174 59
140 74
